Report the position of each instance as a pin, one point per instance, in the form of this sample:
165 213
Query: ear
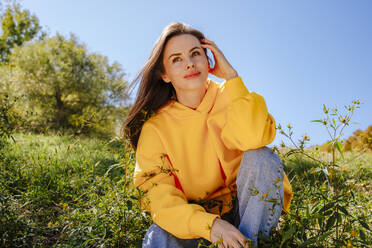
165 78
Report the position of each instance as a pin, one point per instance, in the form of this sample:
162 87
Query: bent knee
264 160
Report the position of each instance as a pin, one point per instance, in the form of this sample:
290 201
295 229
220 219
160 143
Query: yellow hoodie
187 160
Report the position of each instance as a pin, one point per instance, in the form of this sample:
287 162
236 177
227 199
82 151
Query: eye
176 59
195 52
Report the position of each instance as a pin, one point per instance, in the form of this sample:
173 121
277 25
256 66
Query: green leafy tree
17 27
65 87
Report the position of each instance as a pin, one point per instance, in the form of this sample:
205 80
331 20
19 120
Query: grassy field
58 191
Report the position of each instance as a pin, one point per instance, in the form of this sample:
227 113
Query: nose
190 63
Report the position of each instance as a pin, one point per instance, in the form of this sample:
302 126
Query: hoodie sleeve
248 125
168 206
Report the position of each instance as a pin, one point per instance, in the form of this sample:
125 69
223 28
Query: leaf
331 221
365 225
287 235
362 235
293 151
129 204
339 148
314 239
317 121
326 207
343 209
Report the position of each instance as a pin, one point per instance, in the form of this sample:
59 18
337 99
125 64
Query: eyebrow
176 54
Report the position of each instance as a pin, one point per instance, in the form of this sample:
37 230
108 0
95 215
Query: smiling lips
192 75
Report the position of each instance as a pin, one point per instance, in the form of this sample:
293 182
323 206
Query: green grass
59 191
55 192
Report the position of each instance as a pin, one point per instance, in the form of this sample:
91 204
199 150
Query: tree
17 27
64 86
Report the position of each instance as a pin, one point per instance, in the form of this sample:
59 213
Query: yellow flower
50 224
349 245
353 233
265 195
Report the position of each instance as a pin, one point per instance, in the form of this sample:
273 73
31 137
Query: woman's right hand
228 234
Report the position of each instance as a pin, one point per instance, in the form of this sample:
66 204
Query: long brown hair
153 92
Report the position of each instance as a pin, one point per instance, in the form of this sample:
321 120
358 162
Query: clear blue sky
298 54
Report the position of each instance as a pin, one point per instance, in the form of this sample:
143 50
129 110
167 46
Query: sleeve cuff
201 224
288 194
235 88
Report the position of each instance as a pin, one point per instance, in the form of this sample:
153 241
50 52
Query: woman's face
183 56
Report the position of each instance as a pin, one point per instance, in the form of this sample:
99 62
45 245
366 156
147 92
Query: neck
192 99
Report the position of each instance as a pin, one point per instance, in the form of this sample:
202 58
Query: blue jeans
258 207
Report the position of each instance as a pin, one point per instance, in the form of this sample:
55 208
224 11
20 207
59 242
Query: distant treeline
52 83
358 141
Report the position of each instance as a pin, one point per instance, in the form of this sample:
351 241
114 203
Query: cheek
176 68
202 61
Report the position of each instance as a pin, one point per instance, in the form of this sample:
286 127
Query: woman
201 162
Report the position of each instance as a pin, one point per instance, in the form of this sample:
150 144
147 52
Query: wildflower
265 195
353 233
289 126
50 224
306 137
349 245
279 127
121 234
324 122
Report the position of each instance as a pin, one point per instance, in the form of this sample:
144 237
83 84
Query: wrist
231 75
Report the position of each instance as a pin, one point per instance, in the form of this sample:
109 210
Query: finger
240 238
210 46
213 49
207 41
245 242
220 243
221 246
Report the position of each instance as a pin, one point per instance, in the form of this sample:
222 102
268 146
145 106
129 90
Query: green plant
326 209
8 119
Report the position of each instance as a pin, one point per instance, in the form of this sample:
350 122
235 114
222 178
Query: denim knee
261 159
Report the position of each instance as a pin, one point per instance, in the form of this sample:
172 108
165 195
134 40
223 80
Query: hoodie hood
181 111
